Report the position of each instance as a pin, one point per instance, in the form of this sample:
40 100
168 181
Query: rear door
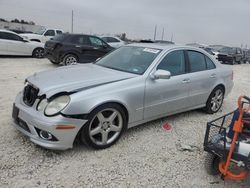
202 75
165 96
4 49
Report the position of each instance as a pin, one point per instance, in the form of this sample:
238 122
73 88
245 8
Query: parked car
134 84
75 48
13 44
115 42
230 55
246 55
42 35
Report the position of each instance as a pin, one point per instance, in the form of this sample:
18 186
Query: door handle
213 75
186 80
77 46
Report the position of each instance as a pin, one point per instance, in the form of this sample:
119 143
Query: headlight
57 105
41 105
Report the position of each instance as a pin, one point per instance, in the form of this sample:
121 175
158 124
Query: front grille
30 95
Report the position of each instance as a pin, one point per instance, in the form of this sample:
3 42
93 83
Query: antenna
155 32
162 36
72 22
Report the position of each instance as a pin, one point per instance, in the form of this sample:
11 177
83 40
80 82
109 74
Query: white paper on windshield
150 50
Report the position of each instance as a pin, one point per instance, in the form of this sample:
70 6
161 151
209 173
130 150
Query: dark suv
229 55
75 48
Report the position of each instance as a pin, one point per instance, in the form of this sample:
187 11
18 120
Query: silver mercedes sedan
97 102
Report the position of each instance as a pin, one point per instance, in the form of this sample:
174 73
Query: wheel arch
68 53
122 105
36 49
36 40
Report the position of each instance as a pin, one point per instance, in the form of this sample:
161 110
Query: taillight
57 46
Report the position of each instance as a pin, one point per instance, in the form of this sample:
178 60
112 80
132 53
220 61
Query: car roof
163 46
78 34
7 31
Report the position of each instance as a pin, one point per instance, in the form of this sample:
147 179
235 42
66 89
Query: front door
165 96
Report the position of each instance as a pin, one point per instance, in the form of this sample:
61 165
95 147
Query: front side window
174 62
196 61
95 41
49 33
130 59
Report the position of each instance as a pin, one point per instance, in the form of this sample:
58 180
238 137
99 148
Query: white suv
42 35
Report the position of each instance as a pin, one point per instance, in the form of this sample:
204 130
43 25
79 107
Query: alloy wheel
217 100
106 126
39 53
70 60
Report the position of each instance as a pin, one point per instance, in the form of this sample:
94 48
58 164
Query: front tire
104 127
38 53
215 100
70 59
212 164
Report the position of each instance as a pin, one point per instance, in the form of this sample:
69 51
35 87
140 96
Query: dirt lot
145 156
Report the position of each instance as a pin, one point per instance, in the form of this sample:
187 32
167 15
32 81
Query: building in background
20 27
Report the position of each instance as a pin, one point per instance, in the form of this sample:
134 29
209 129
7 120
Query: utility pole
72 22
155 32
172 37
162 36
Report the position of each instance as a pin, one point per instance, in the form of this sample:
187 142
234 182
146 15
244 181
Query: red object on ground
166 126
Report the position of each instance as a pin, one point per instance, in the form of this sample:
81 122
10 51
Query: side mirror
161 74
24 40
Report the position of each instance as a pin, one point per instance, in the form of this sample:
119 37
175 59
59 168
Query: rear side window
9 36
174 62
79 39
111 39
210 64
196 61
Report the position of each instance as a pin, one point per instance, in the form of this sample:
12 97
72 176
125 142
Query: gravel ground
145 156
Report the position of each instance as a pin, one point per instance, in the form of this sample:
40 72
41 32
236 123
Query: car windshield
226 50
130 59
40 32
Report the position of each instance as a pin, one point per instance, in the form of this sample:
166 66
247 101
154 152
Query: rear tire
70 59
38 53
215 100
212 164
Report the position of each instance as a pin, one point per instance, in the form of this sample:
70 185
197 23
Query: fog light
45 135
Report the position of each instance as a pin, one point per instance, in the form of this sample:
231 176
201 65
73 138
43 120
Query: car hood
75 78
29 35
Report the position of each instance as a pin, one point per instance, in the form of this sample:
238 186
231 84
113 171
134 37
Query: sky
186 21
